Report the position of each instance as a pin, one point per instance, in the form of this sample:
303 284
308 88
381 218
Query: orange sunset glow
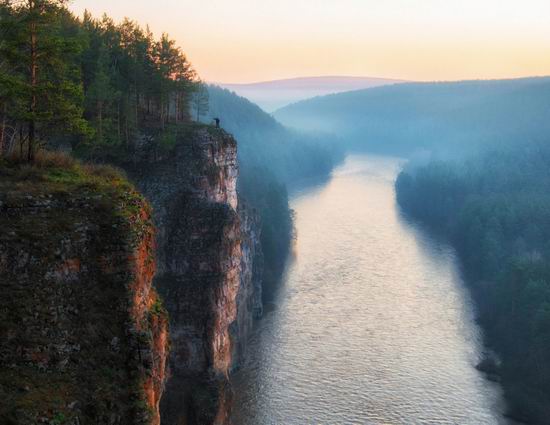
247 40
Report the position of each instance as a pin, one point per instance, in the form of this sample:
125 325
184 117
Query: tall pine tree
42 73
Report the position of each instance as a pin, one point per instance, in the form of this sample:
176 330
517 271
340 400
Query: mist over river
373 324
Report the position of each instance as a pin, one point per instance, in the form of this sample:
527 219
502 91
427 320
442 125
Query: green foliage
40 81
168 138
58 419
157 309
496 210
134 85
90 82
61 171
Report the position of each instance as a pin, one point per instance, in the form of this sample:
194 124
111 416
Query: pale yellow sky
255 40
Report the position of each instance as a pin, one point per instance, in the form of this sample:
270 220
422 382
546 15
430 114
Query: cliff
84 335
209 268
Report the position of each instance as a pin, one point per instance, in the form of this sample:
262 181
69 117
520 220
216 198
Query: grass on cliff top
58 169
59 175
175 134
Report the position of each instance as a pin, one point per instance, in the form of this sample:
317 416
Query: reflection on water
372 325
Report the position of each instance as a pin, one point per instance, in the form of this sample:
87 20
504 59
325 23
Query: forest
91 84
448 118
495 208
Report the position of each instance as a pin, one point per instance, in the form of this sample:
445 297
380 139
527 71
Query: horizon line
396 80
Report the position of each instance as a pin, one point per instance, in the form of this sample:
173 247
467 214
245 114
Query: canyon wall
84 337
209 268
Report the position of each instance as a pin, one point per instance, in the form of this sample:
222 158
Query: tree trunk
137 108
100 121
118 123
127 134
33 72
127 123
21 142
3 130
11 144
177 107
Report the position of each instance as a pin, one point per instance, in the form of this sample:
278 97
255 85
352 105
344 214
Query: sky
238 41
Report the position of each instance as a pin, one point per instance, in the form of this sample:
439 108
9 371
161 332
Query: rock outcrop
84 337
209 269
84 333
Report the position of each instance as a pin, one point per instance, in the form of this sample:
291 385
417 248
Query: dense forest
495 208
95 84
279 155
406 118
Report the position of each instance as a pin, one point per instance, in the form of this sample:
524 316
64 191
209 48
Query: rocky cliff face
83 334
209 268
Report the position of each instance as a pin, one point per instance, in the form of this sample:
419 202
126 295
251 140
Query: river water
372 324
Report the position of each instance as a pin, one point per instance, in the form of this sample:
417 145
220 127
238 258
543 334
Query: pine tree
42 69
9 102
94 78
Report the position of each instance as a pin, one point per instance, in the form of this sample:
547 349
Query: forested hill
495 209
266 143
272 95
406 118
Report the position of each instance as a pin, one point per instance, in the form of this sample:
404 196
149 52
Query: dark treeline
495 208
91 82
270 197
280 155
405 118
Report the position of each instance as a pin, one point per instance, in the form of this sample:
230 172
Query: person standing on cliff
217 122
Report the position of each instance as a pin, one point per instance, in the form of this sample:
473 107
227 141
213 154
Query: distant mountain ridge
405 118
272 95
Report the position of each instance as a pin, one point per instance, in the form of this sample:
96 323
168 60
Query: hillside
272 95
266 143
410 117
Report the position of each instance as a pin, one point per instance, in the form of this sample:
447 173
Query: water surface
372 325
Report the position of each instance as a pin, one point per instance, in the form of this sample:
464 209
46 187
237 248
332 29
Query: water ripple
373 324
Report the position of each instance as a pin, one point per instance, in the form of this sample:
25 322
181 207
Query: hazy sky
253 40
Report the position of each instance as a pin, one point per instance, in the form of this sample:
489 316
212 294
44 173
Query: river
372 324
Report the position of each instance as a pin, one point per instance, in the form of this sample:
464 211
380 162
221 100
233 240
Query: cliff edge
209 268
84 335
